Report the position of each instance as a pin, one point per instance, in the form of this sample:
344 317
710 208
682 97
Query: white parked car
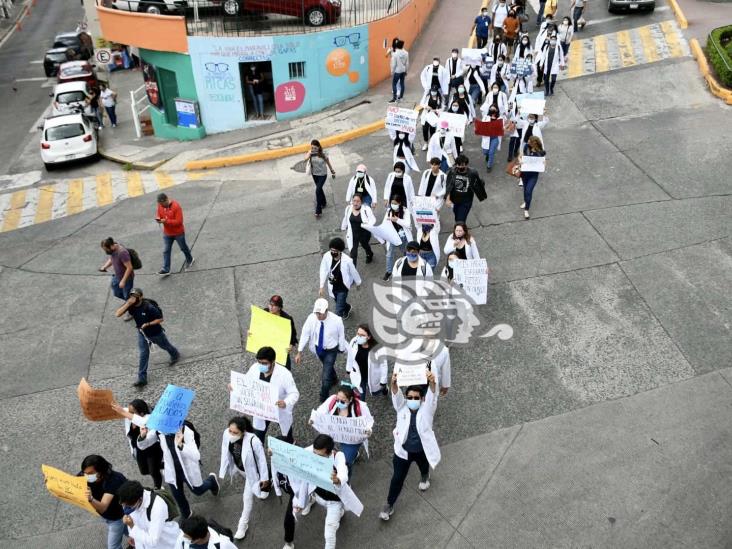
67 137
68 96
155 7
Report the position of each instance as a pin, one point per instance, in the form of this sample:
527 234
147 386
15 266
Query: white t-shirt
499 15
107 96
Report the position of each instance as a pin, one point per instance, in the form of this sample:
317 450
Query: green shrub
718 51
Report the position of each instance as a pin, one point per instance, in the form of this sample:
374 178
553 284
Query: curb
719 91
680 17
144 166
224 161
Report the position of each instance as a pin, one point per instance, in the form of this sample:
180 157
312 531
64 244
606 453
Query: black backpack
196 434
222 530
167 497
134 259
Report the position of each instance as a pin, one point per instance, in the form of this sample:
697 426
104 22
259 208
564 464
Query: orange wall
153 32
407 25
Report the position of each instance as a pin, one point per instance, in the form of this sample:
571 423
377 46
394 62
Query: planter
719 53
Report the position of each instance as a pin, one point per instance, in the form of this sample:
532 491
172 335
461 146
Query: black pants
261 434
401 469
459 145
513 148
289 521
427 132
481 41
362 237
149 462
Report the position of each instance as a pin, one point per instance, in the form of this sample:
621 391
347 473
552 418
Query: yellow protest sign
268 330
67 488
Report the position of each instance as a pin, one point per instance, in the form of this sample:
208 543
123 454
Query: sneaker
526 214
306 510
114 125
489 169
520 183
127 317
348 312
387 276
174 361
386 512
424 483
289 546
424 147
215 489
163 272
241 532
393 100
369 258
140 383
190 263
522 206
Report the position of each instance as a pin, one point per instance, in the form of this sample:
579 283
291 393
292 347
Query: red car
77 71
313 12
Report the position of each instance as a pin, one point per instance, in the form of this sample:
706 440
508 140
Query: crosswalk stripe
601 61
134 184
649 45
626 49
44 210
75 199
60 199
104 189
164 180
672 39
4 201
576 67
15 208
28 212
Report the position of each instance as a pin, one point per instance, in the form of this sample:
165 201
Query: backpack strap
254 456
148 511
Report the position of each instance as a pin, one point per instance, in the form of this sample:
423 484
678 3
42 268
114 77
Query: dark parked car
72 41
313 12
53 58
615 6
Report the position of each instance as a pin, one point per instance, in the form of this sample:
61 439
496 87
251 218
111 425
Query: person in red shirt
170 216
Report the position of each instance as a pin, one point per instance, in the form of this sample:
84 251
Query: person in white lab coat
441 366
496 48
414 439
461 242
500 74
491 145
366 364
323 333
524 83
363 184
197 534
335 504
181 464
428 237
149 519
433 183
461 109
442 145
358 214
412 264
552 60
474 83
401 219
150 460
455 70
399 183
523 49
495 98
404 148
431 103
242 454
435 76
338 271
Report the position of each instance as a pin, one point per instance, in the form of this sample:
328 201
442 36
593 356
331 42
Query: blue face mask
341 405
412 257
427 228
128 510
263 368
414 404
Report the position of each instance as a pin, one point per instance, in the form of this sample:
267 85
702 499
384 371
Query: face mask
532 121
128 510
452 264
492 113
360 340
462 169
395 207
433 94
443 131
484 13
412 257
454 55
91 478
341 405
565 23
198 545
525 42
264 368
455 109
360 174
553 42
233 438
334 255
398 175
402 135
414 404
500 63
435 63
495 91
461 89
529 59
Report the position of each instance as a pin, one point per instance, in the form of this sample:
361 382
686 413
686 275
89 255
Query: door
169 90
266 90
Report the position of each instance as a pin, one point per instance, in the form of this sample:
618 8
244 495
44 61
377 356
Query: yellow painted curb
473 39
680 17
302 148
714 86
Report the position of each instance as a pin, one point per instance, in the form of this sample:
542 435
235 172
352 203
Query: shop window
297 69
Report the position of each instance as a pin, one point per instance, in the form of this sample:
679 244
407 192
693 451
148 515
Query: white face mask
454 109
443 131
402 135
398 174
233 438
435 63
454 55
360 340
395 207
452 263
92 478
461 90
360 174
553 42
500 63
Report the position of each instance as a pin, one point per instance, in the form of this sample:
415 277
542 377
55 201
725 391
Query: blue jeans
112 114
320 201
540 15
180 496
475 93
116 529
530 180
390 253
161 341
462 210
341 303
257 99
168 245
328 358
351 452
430 258
122 293
490 152
576 14
397 79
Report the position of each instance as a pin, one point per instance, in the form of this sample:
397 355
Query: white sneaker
526 214
522 206
520 183
306 510
424 147
424 483
289 546
241 532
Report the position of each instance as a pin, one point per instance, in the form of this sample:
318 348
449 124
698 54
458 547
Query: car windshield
60 57
64 132
70 97
63 41
76 70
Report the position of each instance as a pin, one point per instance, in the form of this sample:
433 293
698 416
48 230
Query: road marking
36 62
44 210
650 51
576 67
15 208
28 212
74 200
33 79
672 38
164 180
104 189
601 61
626 49
134 184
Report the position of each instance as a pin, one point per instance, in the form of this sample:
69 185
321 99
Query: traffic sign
103 56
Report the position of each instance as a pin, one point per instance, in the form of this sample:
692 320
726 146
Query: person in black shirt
254 81
103 483
275 307
149 460
148 318
462 185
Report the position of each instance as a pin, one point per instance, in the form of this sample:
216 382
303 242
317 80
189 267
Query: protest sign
431 118
345 430
472 276
68 488
423 209
522 68
401 120
268 330
253 397
520 98
384 232
533 163
489 128
472 57
532 106
96 404
410 374
306 465
456 123
171 410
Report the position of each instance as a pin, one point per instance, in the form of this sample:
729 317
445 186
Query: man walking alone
170 216
399 68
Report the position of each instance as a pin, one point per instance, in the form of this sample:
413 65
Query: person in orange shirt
511 27
170 216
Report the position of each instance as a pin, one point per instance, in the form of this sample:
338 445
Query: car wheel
231 8
315 17
153 10
610 7
49 167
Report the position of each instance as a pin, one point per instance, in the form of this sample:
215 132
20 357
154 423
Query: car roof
66 35
76 67
57 50
62 120
69 86
75 64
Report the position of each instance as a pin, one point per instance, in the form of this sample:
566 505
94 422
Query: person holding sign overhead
443 146
242 453
275 307
149 460
533 148
414 439
149 516
103 483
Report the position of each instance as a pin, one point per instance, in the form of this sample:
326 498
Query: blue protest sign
171 410
302 464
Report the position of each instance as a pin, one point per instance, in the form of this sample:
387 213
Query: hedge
720 57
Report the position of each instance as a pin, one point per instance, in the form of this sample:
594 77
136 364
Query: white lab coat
425 416
408 188
502 103
215 541
494 53
438 189
329 407
303 490
434 239
459 67
348 272
408 159
378 367
556 62
441 367
471 248
449 151
286 390
442 74
424 104
369 184
404 222
311 329
423 268
472 76
522 124
140 421
367 218
189 458
156 533
505 74
470 115
255 463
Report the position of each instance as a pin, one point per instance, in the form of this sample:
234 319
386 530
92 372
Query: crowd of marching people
511 64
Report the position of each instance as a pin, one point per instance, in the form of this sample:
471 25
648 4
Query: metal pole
135 119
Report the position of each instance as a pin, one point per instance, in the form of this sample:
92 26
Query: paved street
604 421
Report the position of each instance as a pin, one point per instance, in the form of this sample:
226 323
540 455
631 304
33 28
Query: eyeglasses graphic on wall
353 39
218 68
